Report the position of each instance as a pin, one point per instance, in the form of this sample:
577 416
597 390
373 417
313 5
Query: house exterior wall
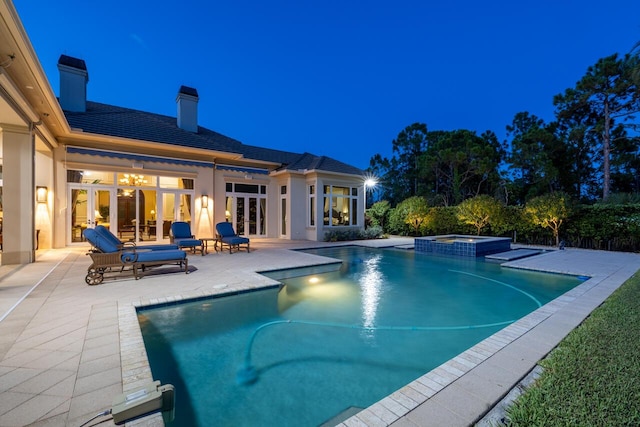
202 219
18 195
34 130
297 215
44 214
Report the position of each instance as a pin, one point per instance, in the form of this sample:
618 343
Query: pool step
342 416
514 254
408 247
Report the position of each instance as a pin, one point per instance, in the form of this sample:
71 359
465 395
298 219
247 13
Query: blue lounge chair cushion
225 229
106 246
104 232
236 240
181 236
228 236
187 242
181 230
110 237
101 243
153 256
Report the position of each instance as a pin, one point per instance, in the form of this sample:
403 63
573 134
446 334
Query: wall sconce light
41 194
205 201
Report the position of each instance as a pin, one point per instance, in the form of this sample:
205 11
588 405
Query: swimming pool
331 343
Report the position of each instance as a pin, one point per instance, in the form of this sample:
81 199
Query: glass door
147 207
250 215
240 215
90 206
283 216
168 213
174 206
127 216
283 210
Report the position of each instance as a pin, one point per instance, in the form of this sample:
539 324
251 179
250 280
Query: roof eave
92 140
28 72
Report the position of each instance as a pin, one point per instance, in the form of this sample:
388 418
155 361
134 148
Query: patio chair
110 237
106 255
227 236
181 236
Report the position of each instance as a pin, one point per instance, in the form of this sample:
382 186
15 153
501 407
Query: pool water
334 342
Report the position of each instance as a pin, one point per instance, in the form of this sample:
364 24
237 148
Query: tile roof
122 122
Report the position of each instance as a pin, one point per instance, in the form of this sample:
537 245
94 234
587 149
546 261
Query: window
312 205
340 205
246 188
90 177
239 187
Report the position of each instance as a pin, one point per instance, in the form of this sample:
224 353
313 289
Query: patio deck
66 349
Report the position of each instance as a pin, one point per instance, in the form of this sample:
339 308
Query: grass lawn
593 377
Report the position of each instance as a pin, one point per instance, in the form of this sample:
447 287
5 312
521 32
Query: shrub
549 211
443 220
479 211
379 213
409 217
374 232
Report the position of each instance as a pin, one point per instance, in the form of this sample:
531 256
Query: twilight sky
339 78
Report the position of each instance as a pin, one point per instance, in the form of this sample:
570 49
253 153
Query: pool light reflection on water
328 342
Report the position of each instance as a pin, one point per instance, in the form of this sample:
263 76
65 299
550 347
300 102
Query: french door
173 206
249 214
90 206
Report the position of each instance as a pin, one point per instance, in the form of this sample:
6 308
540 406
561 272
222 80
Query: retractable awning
243 170
138 157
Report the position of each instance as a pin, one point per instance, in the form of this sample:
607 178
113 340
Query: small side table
205 243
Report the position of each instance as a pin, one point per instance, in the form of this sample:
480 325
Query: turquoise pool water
328 343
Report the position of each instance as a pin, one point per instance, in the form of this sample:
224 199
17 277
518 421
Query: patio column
18 245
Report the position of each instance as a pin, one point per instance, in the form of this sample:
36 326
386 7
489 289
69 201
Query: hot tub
461 245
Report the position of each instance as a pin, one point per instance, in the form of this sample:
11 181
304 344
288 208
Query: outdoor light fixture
205 201
370 182
41 194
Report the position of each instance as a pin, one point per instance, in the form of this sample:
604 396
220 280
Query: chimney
187 101
73 84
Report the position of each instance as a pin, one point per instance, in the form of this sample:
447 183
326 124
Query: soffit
21 64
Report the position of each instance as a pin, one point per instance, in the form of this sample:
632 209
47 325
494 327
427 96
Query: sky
339 78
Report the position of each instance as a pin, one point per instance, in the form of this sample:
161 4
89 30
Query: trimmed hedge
373 232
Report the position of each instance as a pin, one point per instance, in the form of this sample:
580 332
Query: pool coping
459 391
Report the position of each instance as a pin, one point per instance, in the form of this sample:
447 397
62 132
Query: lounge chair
227 236
181 236
107 234
107 256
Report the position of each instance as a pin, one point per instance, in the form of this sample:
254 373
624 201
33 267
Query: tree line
576 178
590 151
